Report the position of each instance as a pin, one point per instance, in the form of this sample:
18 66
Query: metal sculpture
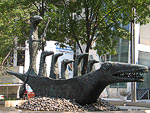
34 42
43 56
84 89
54 72
90 65
77 61
64 63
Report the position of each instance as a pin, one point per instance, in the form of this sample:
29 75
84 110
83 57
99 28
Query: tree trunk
84 67
85 62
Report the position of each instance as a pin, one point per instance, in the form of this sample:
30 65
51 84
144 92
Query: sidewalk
13 110
120 102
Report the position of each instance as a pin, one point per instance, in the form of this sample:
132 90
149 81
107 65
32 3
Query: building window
119 85
121 56
144 59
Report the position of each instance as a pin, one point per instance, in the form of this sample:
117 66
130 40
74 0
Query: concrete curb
13 103
122 103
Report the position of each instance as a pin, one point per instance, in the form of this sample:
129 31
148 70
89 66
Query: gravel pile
61 104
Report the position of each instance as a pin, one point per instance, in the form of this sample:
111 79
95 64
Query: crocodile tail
18 75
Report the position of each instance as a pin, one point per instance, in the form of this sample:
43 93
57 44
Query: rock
61 104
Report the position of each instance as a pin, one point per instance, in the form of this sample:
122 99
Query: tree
74 21
14 22
99 21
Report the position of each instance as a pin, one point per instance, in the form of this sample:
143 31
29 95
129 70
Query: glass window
124 49
121 56
119 85
124 57
144 59
145 34
114 57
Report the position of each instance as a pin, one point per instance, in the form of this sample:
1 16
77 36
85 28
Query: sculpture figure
85 89
33 48
64 63
90 65
77 61
43 56
33 42
54 72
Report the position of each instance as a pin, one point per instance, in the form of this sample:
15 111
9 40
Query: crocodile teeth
138 75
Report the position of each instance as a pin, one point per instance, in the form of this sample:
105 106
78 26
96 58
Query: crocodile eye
106 66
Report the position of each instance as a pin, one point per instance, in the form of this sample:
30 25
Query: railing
141 92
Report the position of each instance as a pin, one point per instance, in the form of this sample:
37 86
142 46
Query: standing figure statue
33 48
34 43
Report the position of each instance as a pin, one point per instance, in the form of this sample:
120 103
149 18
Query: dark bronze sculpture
34 41
77 61
54 72
90 65
84 89
42 61
33 48
64 63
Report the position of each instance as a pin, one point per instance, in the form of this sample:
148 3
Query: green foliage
73 21
100 21
14 22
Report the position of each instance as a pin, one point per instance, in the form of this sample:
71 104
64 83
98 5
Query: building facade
142 57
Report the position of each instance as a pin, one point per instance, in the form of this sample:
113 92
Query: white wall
50 46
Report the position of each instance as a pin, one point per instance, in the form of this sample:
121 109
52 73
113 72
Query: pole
15 53
133 84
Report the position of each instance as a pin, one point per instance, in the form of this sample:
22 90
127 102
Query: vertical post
27 91
148 94
15 53
7 92
119 54
133 84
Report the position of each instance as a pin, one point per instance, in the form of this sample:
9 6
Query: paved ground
120 102
136 110
132 108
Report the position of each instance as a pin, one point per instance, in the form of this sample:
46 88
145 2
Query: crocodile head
122 72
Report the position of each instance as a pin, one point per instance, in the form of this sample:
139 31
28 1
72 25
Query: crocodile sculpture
85 89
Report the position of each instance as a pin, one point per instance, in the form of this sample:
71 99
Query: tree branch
82 17
2 64
96 10
92 9
87 22
74 35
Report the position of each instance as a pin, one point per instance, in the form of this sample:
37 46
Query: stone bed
61 104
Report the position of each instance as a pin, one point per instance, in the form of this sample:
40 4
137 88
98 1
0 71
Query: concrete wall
116 92
9 84
6 78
